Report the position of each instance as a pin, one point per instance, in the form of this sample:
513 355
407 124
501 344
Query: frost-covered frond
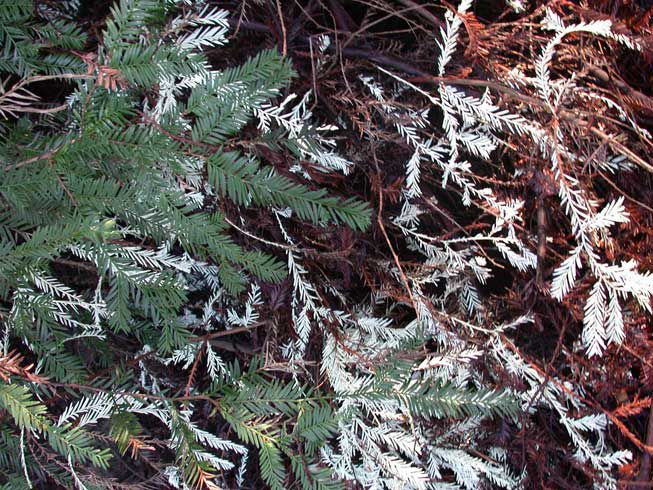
449 35
209 28
555 396
250 315
469 470
602 28
304 139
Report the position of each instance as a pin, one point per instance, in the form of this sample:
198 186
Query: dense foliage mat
298 245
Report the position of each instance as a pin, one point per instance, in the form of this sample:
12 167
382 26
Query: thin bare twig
284 49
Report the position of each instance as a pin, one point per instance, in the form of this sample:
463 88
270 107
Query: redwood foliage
326 244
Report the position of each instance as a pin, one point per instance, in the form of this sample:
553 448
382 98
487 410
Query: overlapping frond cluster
386 436
159 211
130 184
114 215
470 131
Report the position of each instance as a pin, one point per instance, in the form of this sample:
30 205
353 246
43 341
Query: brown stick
284 49
541 242
423 13
379 219
645 468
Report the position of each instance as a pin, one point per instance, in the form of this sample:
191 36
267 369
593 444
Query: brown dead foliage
398 36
